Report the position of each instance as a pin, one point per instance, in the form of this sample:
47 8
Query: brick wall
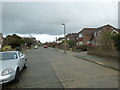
104 53
86 38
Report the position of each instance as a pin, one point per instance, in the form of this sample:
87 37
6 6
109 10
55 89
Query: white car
11 64
35 47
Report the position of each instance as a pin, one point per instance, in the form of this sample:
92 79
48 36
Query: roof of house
108 25
72 35
88 31
61 38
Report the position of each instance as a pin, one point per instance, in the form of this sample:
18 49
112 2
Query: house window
99 32
80 35
95 34
80 43
88 42
114 31
68 38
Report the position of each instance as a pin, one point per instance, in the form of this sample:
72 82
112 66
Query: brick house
104 28
89 35
1 40
85 35
72 36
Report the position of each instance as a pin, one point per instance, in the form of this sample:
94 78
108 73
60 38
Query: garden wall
104 53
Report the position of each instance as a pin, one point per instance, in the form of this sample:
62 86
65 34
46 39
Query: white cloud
43 19
46 38
59 0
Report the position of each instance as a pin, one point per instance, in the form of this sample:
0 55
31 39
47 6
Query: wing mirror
22 56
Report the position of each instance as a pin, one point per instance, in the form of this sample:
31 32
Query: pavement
78 73
51 68
109 62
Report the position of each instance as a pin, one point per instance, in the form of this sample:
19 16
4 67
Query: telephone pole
64 38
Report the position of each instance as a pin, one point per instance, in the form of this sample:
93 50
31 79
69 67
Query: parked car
90 45
18 49
35 47
45 46
12 64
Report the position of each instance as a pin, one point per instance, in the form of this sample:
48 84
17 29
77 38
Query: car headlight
6 71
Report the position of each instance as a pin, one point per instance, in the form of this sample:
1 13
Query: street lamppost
64 38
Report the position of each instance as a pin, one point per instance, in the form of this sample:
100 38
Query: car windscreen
9 56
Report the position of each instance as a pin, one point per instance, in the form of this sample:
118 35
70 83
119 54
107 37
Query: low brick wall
104 53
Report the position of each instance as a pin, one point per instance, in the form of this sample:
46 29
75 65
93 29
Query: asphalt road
50 68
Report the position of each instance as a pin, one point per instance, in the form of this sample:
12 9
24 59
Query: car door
21 59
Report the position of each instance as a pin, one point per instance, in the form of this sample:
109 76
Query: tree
105 41
116 39
72 43
29 41
13 40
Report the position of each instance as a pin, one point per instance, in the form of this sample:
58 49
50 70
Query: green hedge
72 43
116 39
82 47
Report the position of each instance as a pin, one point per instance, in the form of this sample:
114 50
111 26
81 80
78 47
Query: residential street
50 68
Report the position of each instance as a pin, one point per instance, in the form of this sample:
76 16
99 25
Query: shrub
116 39
104 41
72 43
62 45
74 48
82 48
70 49
6 48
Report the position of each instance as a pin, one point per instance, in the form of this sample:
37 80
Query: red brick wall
103 53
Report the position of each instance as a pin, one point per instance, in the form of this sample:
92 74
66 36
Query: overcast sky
43 19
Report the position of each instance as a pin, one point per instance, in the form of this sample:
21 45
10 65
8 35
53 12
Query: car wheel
17 76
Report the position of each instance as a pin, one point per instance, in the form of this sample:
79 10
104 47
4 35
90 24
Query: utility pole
56 39
64 38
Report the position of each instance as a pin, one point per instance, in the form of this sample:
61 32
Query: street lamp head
62 24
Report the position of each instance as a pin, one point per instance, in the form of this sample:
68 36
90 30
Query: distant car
45 46
12 64
35 47
18 49
90 45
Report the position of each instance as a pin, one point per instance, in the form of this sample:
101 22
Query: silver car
11 64
35 47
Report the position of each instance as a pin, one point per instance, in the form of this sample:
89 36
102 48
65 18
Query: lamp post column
64 38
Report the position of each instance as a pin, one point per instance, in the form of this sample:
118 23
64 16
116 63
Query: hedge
116 39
